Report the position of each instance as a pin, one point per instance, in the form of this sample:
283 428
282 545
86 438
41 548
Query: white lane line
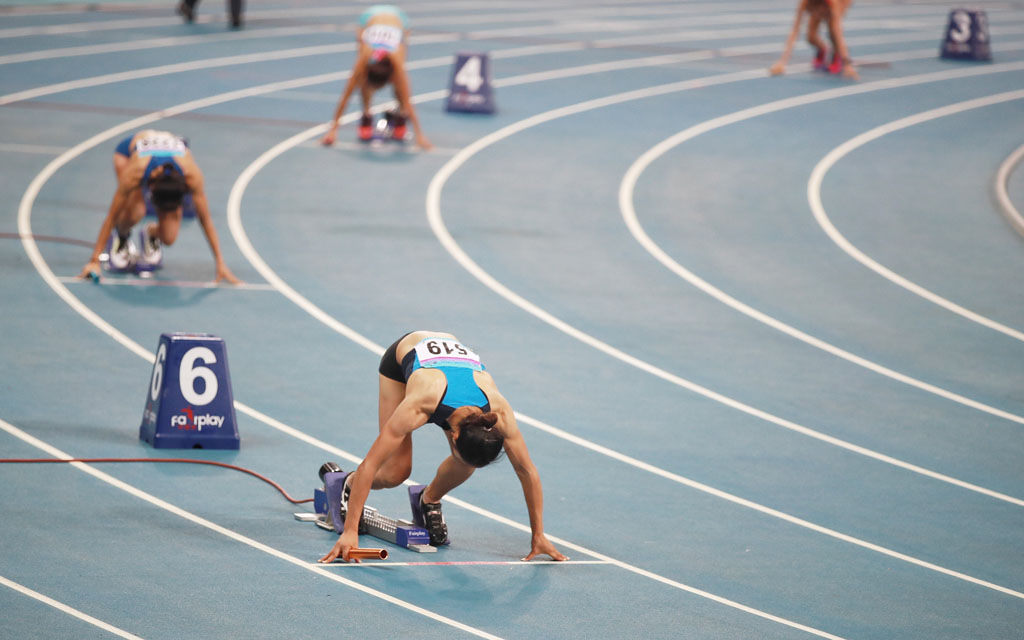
181 67
24 225
350 11
241 184
89 27
463 563
276 424
626 196
435 219
156 43
1002 195
24 222
46 150
821 216
448 242
433 207
131 281
71 611
237 537
179 41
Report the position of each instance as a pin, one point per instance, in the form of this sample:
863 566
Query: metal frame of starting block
402 533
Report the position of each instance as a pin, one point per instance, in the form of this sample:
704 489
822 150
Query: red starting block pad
189 404
967 36
386 127
470 87
327 505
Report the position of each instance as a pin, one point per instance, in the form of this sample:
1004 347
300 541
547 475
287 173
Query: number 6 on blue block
470 87
189 404
967 36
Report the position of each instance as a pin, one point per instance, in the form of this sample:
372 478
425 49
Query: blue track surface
766 333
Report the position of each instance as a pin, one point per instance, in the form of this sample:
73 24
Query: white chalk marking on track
434 217
351 11
24 217
433 213
1003 196
24 225
130 281
626 190
821 216
60 606
466 563
155 43
181 67
237 537
252 34
46 150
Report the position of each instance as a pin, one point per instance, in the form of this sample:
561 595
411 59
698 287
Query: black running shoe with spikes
433 521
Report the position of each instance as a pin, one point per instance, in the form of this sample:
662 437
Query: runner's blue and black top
159 146
457 363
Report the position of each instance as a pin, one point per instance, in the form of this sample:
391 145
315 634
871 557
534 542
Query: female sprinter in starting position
831 12
380 59
155 166
427 376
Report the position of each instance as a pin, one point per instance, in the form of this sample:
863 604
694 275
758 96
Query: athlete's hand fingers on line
545 547
87 270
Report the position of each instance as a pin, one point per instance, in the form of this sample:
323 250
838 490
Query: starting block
967 36
189 404
327 507
137 264
386 127
470 87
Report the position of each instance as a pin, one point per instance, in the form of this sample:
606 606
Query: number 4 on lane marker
470 88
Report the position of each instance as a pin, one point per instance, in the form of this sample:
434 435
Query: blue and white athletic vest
457 363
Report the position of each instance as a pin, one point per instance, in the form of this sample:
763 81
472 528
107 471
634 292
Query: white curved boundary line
1003 196
50 169
60 606
629 215
212 63
157 43
437 225
820 215
237 229
448 242
24 225
237 537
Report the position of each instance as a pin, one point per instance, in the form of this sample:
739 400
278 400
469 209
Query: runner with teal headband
380 60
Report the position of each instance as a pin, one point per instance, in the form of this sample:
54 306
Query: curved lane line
213 63
1002 194
448 242
237 537
435 219
272 422
821 216
626 191
24 226
175 41
156 43
234 214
